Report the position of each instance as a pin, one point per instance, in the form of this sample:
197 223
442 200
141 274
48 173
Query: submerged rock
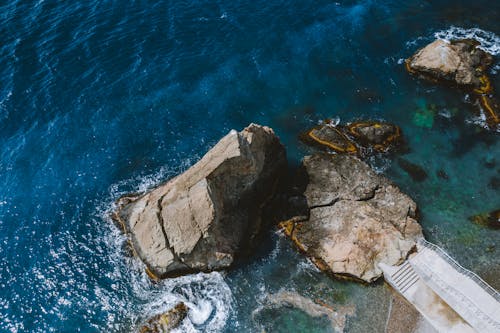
424 115
416 172
460 62
360 137
490 220
357 218
203 218
336 315
165 322
442 174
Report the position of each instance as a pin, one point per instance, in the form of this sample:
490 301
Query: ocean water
100 98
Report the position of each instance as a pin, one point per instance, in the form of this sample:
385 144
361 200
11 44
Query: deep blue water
99 98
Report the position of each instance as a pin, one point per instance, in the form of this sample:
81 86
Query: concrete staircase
450 297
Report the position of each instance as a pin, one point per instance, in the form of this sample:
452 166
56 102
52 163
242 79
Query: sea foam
490 42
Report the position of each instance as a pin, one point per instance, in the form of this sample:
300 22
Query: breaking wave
490 42
207 295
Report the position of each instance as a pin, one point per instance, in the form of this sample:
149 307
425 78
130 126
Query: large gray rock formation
459 61
203 218
357 218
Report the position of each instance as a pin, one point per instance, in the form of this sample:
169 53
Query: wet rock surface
361 137
330 136
356 220
202 219
165 322
379 135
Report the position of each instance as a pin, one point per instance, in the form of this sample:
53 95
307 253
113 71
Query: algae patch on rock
165 322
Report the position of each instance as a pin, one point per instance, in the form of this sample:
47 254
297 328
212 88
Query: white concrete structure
449 297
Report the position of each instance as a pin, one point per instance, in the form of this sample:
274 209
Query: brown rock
165 322
329 136
203 218
360 137
357 218
378 135
490 220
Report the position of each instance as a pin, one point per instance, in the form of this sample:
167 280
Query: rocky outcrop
462 63
166 322
358 138
202 219
356 220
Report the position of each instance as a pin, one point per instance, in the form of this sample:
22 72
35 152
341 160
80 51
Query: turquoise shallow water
100 98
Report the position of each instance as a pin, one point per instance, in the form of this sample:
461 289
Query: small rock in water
360 137
416 172
490 220
379 135
329 136
165 322
442 174
494 183
460 62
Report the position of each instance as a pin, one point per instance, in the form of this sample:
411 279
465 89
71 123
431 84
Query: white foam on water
481 120
490 42
200 313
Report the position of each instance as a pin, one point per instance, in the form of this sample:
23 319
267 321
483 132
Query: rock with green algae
167 321
490 220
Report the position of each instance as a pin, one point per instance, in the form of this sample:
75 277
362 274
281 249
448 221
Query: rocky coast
340 213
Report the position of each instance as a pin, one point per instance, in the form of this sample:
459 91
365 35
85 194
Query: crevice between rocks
369 197
329 204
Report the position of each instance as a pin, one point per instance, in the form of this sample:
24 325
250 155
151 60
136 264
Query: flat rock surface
357 218
461 62
201 219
